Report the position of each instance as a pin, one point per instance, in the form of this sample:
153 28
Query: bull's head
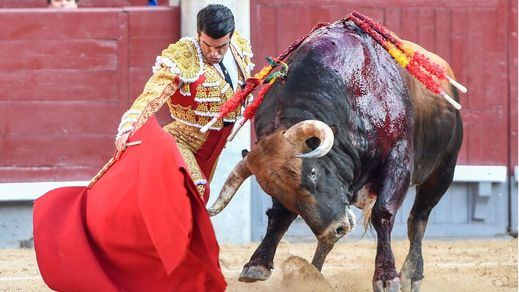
289 166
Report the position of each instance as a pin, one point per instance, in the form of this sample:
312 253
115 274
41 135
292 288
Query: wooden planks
66 80
512 77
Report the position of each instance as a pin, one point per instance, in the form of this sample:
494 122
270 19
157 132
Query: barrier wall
67 76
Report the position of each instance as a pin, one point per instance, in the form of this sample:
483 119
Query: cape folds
141 227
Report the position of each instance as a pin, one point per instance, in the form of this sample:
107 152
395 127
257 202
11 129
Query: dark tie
226 74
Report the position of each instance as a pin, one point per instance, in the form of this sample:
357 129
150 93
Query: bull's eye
313 173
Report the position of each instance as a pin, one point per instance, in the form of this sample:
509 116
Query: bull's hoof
387 286
254 273
412 269
407 285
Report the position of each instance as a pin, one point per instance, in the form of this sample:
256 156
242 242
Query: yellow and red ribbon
417 64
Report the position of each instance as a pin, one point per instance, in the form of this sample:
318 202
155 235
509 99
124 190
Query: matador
141 225
194 91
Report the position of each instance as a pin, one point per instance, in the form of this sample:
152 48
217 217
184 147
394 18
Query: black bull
382 132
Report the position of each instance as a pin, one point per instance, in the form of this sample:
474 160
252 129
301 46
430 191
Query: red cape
141 227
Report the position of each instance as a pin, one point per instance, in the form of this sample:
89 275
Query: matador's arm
158 89
180 63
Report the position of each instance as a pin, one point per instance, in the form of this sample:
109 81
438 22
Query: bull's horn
304 130
239 174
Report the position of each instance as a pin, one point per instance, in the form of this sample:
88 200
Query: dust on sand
462 265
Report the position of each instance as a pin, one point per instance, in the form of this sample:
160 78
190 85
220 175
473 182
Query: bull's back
437 128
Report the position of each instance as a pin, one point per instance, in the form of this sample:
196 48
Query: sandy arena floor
473 265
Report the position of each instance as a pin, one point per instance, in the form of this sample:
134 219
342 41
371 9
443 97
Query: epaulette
183 58
244 49
242 44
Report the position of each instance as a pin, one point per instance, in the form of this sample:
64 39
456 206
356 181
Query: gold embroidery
187 116
202 107
240 61
158 89
211 98
242 44
241 80
207 94
201 190
189 140
187 135
185 90
154 106
209 91
193 168
187 58
243 49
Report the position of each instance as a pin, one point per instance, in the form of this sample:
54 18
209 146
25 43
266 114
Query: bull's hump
332 45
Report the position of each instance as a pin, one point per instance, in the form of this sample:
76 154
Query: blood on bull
347 126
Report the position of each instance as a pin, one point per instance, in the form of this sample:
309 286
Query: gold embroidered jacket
194 92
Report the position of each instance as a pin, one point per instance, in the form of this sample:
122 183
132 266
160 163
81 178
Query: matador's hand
120 141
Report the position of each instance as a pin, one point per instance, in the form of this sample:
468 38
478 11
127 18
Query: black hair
215 20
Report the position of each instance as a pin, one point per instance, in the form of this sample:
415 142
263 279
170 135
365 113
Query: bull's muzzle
337 229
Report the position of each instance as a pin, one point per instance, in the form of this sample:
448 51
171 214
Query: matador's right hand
120 141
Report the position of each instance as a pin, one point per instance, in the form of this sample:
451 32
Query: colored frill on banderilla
417 64
262 77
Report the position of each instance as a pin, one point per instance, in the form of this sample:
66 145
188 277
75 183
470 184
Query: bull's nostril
340 230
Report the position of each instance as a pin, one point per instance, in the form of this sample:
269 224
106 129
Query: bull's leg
395 176
427 196
322 250
328 238
262 261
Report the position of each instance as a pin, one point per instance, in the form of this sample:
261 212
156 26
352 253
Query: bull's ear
312 143
334 129
244 153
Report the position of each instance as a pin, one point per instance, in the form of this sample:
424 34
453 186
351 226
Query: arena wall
67 76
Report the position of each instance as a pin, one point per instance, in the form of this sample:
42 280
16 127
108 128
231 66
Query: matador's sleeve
158 89
180 63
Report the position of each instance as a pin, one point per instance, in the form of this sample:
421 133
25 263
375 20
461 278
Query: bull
349 127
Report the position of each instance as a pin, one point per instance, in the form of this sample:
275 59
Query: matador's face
214 50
